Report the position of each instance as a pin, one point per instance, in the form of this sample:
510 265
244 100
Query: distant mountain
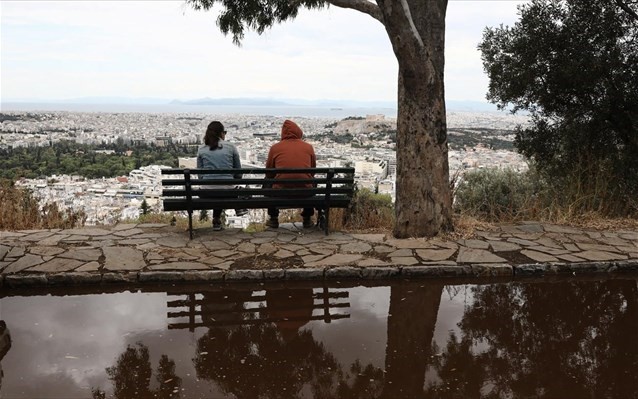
231 101
470 106
452 105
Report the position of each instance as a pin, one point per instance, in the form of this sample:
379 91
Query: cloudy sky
163 49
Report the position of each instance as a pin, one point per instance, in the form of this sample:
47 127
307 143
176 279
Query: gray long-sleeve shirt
225 157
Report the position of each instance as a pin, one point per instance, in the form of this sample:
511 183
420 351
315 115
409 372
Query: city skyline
61 50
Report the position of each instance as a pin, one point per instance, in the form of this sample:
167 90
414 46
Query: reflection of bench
332 188
222 308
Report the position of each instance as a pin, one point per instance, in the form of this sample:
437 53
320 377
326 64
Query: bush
367 211
498 195
503 195
20 210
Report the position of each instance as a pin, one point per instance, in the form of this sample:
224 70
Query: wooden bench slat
259 171
332 190
174 204
254 181
260 192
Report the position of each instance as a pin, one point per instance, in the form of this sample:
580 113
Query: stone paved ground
158 252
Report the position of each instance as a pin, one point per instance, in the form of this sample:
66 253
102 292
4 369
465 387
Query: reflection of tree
131 376
411 321
5 345
574 339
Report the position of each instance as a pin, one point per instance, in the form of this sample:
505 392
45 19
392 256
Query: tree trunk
423 196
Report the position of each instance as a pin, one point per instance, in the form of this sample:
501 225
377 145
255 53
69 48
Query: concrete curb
479 271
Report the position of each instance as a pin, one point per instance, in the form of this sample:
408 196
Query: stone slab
123 258
83 254
539 256
24 263
435 254
503 246
600 255
57 265
471 255
335 260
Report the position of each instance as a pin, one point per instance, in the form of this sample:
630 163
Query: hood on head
290 130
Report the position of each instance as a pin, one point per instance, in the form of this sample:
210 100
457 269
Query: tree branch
363 6
627 9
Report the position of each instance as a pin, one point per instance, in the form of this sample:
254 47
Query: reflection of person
217 155
290 309
291 152
5 345
225 309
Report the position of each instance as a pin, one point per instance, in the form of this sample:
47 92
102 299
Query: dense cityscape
477 140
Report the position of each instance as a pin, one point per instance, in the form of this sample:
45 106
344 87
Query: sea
311 111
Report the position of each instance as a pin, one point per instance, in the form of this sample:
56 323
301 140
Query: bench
183 191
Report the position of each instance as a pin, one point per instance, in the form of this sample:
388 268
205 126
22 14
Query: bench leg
327 220
190 224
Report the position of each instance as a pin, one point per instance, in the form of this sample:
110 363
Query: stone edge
328 273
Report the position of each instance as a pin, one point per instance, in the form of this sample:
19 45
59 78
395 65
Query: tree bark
423 195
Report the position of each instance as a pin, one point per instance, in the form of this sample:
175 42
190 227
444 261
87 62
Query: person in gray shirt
216 153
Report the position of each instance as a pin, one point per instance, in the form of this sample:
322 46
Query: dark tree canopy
573 65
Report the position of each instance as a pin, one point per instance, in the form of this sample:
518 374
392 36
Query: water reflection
5 345
574 340
534 339
131 376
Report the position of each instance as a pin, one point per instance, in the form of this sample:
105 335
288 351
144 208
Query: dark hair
213 134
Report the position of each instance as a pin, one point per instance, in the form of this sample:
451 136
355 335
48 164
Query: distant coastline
262 110
226 106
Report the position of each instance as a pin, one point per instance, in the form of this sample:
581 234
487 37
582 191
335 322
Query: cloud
54 49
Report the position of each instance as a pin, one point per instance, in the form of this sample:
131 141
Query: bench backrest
257 182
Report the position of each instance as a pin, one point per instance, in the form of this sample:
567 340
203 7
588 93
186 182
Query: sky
54 50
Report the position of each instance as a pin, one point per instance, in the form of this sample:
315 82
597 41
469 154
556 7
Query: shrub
20 210
367 211
498 195
504 195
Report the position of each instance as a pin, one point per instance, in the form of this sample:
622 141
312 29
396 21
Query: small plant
144 207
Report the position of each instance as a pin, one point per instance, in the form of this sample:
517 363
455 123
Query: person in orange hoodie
291 152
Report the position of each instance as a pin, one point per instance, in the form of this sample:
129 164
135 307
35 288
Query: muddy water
426 339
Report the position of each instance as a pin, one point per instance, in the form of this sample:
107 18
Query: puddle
404 339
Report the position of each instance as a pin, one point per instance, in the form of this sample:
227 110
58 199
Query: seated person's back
291 152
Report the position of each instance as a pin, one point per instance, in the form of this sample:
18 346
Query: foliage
368 210
573 65
20 210
495 194
131 376
236 16
534 344
144 207
71 158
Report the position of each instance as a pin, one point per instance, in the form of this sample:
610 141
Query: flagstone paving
160 253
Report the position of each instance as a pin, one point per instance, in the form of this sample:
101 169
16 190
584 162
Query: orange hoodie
291 152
